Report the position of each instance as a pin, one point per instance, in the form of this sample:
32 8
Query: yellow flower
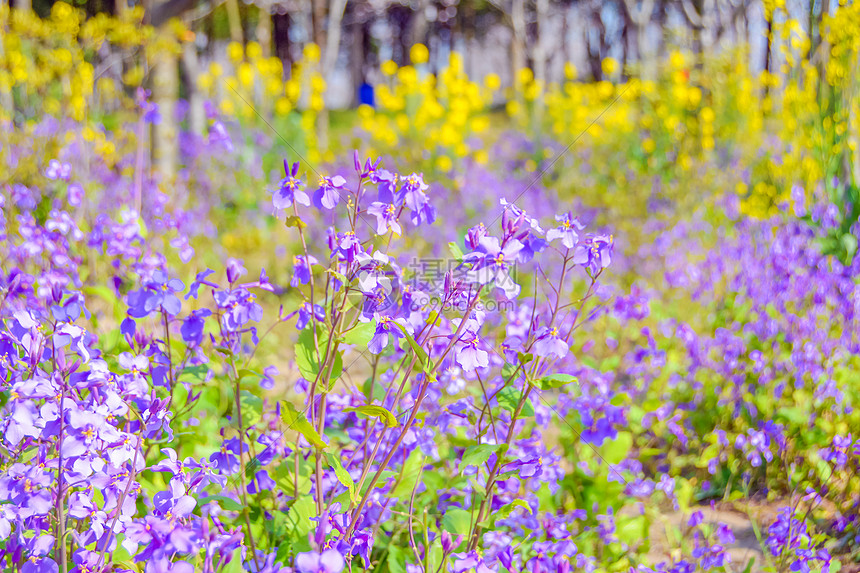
246 74
283 106
234 51
649 145
609 66
312 53
254 50
389 68
524 75
492 81
419 54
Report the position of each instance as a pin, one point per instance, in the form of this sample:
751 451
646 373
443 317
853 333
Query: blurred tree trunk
819 48
26 5
234 19
768 57
595 42
318 15
518 41
329 38
165 86
418 30
639 17
191 65
696 15
281 25
332 43
357 54
264 29
539 54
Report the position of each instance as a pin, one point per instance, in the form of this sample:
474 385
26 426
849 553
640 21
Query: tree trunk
234 19
357 55
196 111
333 33
264 30
539 52
281 25
518 41
318 15
418 30
164 90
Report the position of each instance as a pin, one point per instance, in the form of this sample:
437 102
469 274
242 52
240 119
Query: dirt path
745 547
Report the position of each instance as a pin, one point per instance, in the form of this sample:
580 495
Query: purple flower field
533 355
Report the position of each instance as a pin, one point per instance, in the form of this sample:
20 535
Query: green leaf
342 475
247 373
374 411
396 560
252 408
849 243
457 521
556 381
456 251
338 275
360 334
299 516
284 475
616 450
420 353
509 397
306 356
477 455
506 510
409 474
199 372
297 421
225 502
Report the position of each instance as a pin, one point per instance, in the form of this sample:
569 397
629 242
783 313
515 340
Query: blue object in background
365 95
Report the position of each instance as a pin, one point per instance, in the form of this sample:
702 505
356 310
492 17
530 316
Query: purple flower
386 218
76 194
327 196
290 190
549 343
38 564
57 170
235 270
240 307
413 195
302 269
199 281
595 252
492 263
161 292
387 330
468 355
305 315
329 561
838 450
192 326
566 230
